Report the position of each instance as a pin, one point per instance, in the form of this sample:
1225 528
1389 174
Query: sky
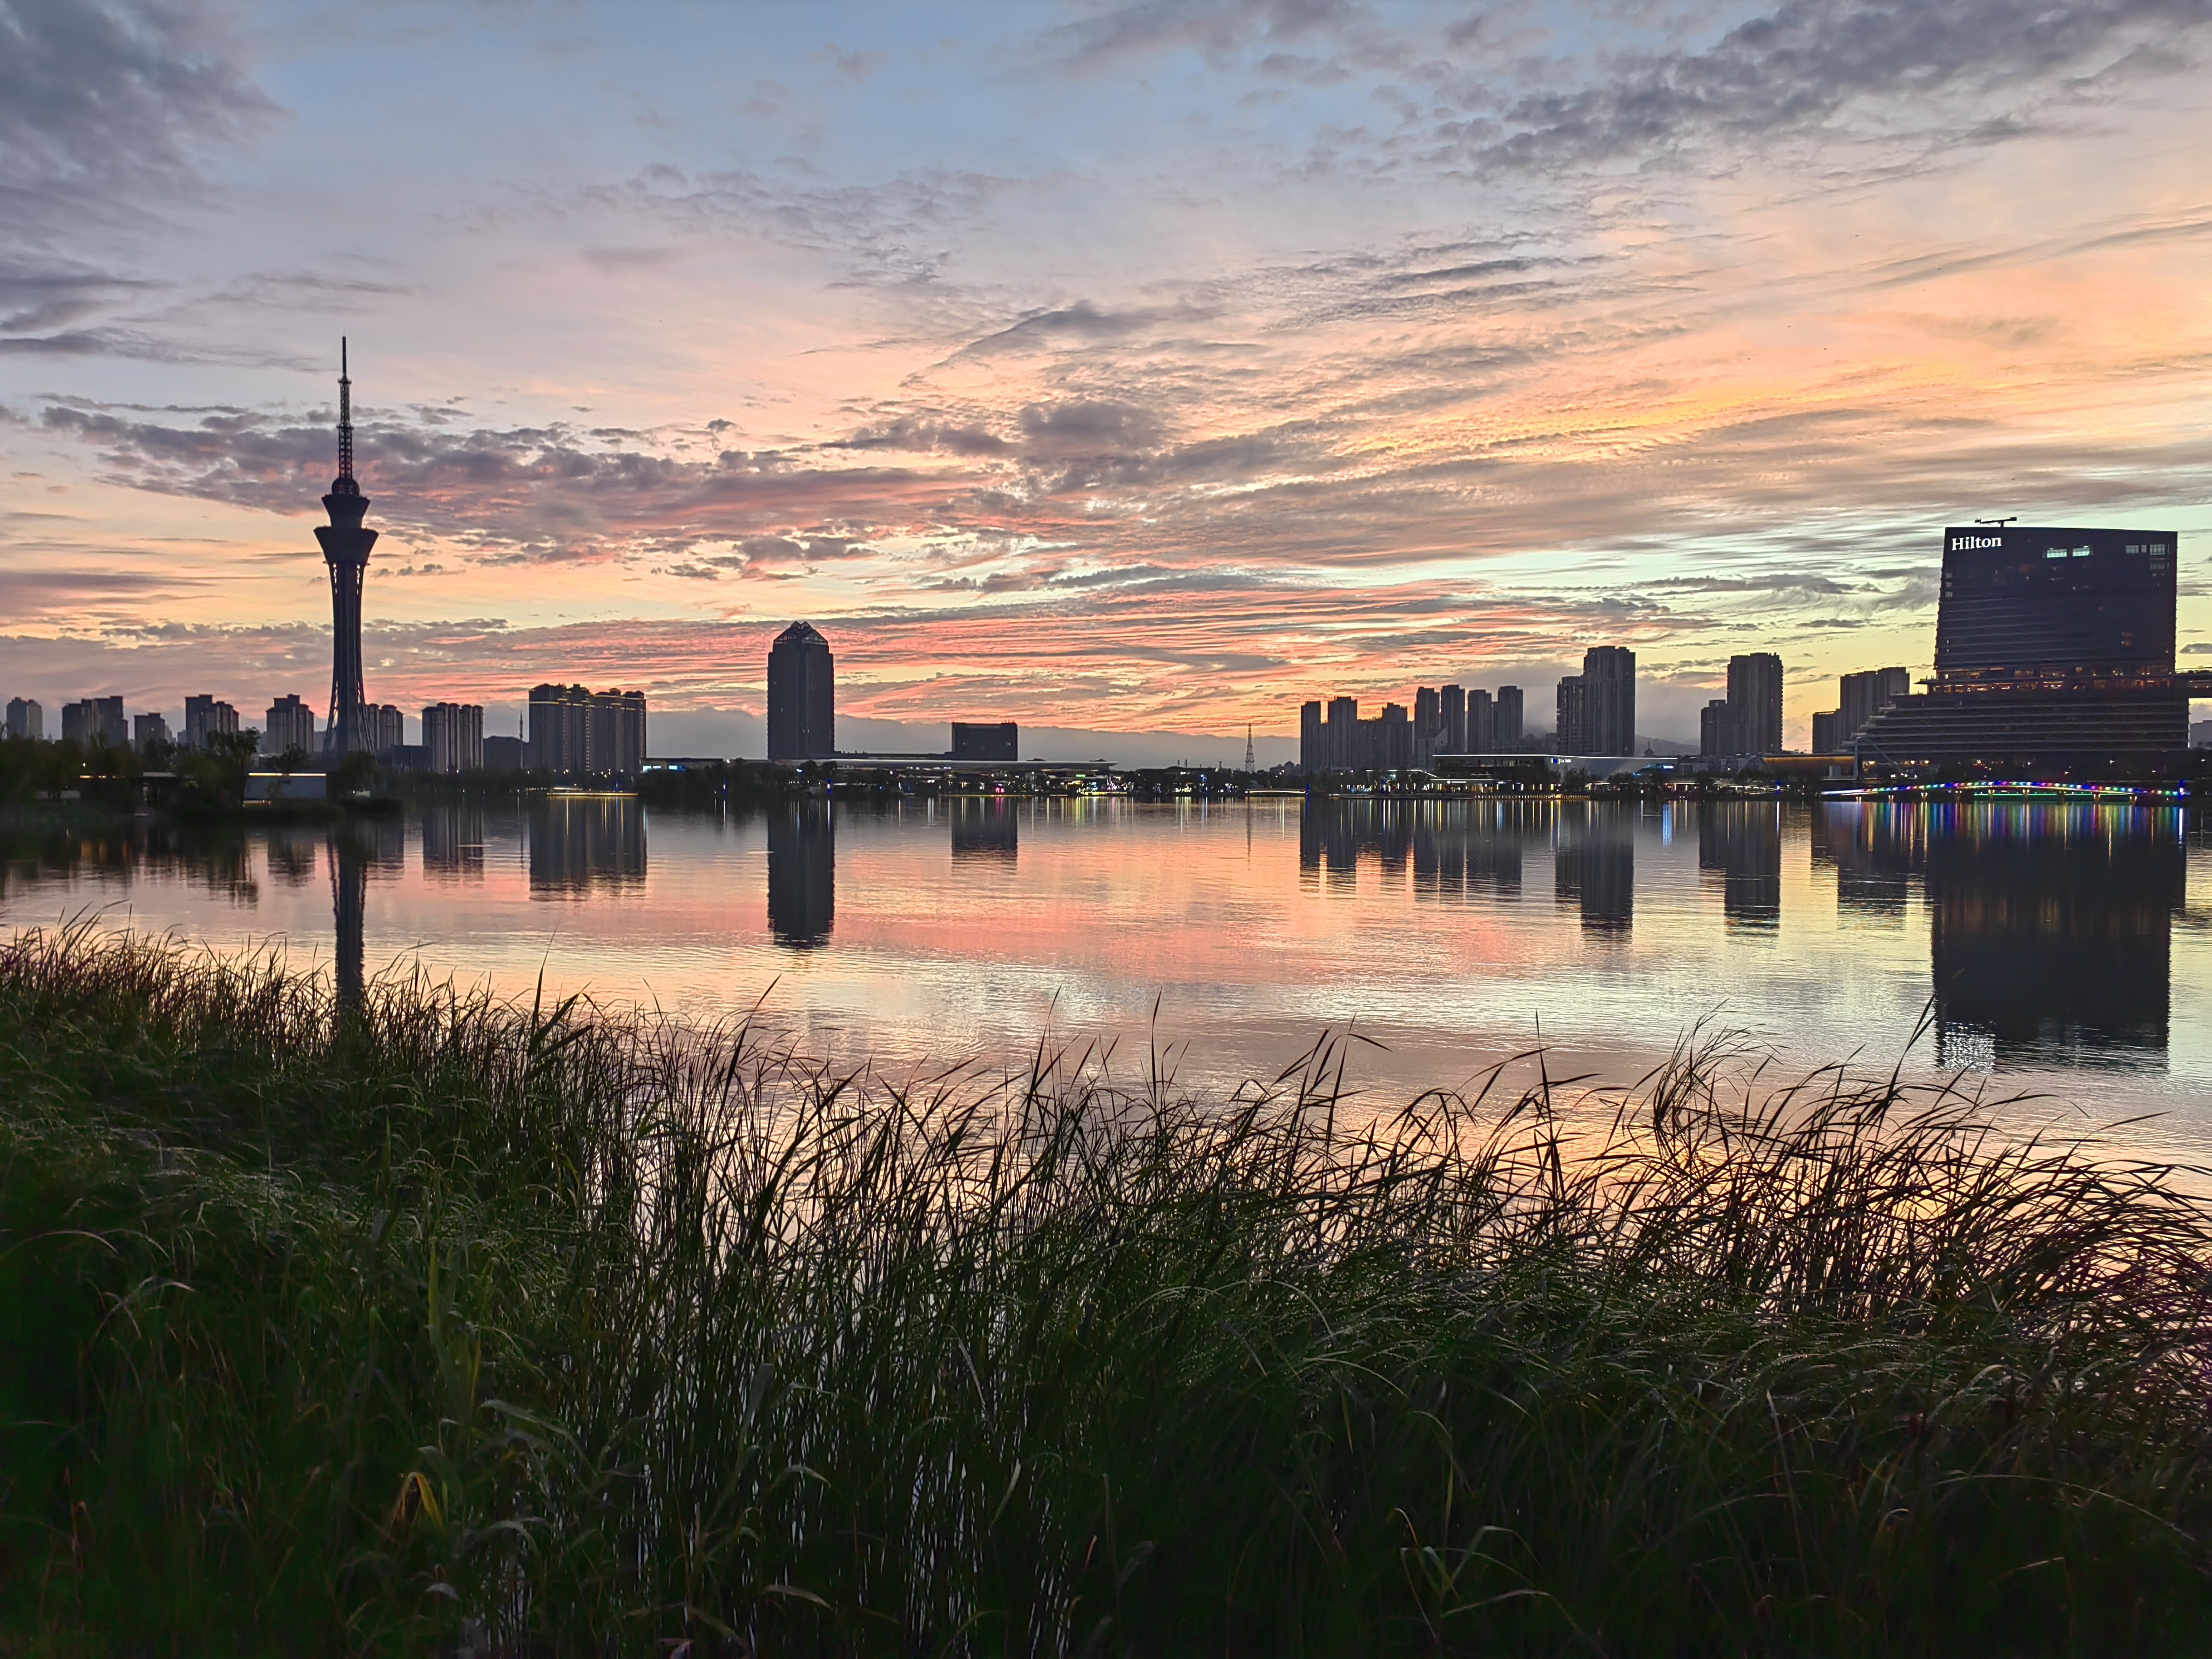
1133 371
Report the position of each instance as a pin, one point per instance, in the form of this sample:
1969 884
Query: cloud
115 99
1216 30
853 65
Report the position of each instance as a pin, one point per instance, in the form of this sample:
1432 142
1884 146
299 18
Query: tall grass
457 1322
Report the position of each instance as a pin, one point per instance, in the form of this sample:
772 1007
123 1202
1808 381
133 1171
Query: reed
454 1323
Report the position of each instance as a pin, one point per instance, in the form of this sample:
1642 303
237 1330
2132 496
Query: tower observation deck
345 550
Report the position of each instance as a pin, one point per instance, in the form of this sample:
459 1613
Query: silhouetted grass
540 1330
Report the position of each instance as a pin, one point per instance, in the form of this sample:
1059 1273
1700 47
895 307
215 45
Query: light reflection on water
2057 943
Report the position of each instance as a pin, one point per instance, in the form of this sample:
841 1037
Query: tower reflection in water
585 843
357 847
350 857
2050 928
802 873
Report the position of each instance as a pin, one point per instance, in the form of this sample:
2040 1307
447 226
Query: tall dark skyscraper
1754 690
1597 707
2054 653
345 550
2020 602
802 696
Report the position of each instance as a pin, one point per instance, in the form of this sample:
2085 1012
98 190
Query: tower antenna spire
346 414
346 543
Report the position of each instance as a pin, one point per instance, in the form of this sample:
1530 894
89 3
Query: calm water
2060 944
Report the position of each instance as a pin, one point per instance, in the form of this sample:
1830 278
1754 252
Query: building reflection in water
985 828
802 873
1740 842
1876 853
1594 865
1452 848
352 852
2050 927
292 856
585 843
453 841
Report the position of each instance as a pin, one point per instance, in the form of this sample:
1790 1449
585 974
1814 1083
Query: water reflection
2054 936
1740 842
1873 851
1594 866
454 840
2050 929
352 852
985 829
802 873
1454 847
294 855
583 843
2050 940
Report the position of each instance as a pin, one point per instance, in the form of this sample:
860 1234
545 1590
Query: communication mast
345 550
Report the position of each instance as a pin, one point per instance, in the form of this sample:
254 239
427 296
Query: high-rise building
385 724
1721 729
1344 742
1453 739
346 545
1428 723
206 717
802 696
290 724
986 741
1511 730
574 731
1597 707
453 737
559 722
1754 688
26 720
616 740
1828 732
96 721
503 754
149 730
1861 696
1312 738
2054 654
1481 725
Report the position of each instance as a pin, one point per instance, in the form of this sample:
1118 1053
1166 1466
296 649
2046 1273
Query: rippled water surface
2064 949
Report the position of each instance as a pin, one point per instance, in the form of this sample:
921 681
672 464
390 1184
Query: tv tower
345 550
1249 763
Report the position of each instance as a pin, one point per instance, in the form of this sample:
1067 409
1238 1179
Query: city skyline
1346 355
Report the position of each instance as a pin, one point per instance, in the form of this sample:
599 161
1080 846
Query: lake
2055 947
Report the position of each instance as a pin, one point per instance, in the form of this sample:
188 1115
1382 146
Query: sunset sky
1139 368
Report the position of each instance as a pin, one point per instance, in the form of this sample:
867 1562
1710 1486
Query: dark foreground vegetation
447 1323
